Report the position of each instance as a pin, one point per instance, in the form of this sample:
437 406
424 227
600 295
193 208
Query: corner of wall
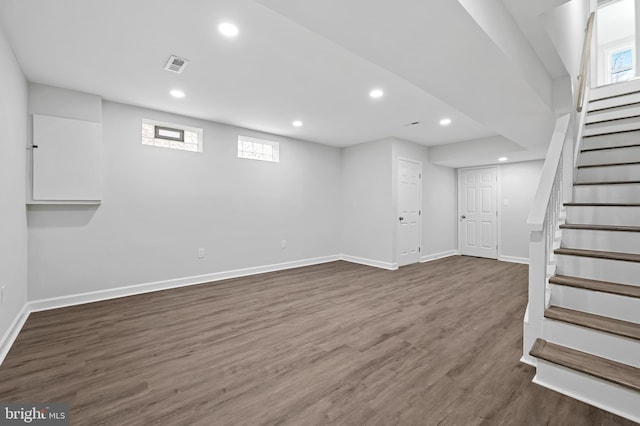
13 173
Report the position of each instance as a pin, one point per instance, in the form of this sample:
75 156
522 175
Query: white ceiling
293 60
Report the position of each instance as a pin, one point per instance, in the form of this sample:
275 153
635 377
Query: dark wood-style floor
435 343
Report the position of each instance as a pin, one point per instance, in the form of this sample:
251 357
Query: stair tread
614 182
591 227
595 285
612 371
596 322
628 257
587 166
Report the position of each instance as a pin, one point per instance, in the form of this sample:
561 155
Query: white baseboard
436 256
114 293
12 333
529 360
369 262
514 259
585 392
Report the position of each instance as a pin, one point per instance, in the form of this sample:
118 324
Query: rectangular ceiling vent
176 64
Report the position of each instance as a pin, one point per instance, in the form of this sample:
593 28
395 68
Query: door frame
498 205
397 204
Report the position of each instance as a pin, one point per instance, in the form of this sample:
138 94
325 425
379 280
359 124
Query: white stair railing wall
555 189
544 222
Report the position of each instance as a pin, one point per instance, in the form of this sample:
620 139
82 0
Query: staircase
590 339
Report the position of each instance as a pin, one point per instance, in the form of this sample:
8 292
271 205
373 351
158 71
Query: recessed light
376 93
177 93
445 121
297 123
502 159
227 29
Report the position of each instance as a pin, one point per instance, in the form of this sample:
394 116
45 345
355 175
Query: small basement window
258 149
173 136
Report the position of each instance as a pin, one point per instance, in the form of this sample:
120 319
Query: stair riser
627 116
622 242
617 139
613 114
596 303
593 391
625 193
599 269
609 173
617 155
624 125
602 344
619 102
603 215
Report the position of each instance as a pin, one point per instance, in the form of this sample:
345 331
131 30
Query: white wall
519 182
499 24
565 25
367 202
13 223
161 205
369 228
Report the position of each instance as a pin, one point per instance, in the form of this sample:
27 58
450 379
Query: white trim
572 394
96 296
369 262
12 333
529 360
436 256
514 259
498 195
499 202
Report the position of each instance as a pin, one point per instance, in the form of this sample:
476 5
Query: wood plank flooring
430 344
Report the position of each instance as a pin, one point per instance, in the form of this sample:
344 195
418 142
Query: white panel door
67 159
409 214
478 220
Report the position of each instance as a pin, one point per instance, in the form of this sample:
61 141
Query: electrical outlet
283 244
200 253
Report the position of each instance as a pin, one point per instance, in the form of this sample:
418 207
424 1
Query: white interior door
67 159
478 217
409 214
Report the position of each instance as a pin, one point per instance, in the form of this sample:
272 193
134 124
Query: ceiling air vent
176 64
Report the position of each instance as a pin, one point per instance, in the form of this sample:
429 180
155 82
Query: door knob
463 217
401 218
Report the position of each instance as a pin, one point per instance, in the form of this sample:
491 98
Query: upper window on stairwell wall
621 64
616 41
